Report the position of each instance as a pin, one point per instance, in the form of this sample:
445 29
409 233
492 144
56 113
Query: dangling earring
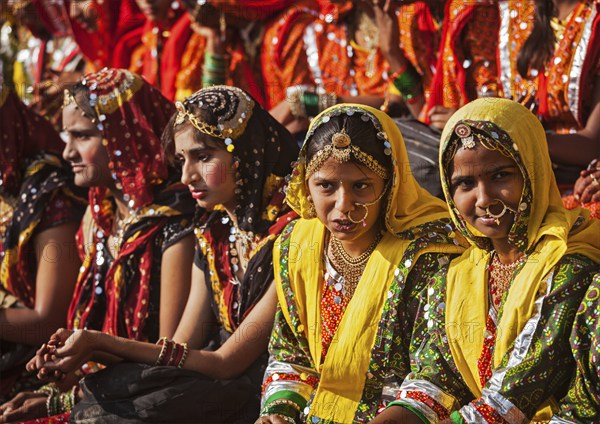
223 26
311 212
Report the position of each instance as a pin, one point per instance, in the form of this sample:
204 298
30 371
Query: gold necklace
370 33
122 225
350 268
501 277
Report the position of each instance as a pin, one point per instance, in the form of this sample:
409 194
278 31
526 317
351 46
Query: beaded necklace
500 278
241 246
121 226
350 268
370 33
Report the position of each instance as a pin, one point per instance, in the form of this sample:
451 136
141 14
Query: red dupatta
132 116
119 32
454 75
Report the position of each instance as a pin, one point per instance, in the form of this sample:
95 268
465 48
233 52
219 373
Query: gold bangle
163 350
184 356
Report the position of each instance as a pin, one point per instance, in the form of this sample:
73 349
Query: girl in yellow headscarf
496 345
347 272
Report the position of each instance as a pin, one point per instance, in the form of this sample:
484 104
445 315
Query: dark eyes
468 182
500 175
197 157
326 185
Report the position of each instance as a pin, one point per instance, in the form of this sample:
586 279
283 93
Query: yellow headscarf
410 212
543 229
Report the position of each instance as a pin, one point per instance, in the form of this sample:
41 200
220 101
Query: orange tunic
172 59
466 67
562 92
308 45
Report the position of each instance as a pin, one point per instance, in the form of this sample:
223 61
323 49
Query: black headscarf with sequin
262 146
265 150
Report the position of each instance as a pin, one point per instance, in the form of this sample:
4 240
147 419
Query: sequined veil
119 295
346 385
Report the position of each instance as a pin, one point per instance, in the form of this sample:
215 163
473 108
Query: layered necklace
348 267
370 34
121 224
501 277
241 246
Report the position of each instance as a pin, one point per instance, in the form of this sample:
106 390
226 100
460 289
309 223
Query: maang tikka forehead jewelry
341 149
465 134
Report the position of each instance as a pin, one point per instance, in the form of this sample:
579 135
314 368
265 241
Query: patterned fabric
265 151
362 355
304 46
523 382
37 193
536 312
466 67
571 203
119 297
172 59
292 368
560 91
118 31
582 402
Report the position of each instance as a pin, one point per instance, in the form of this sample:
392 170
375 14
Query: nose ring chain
505 208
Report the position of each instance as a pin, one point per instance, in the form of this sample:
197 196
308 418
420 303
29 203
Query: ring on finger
594 180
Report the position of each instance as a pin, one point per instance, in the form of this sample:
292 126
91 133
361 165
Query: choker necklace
501 277
350 268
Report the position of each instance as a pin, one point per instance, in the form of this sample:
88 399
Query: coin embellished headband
468 139
231 106
341 150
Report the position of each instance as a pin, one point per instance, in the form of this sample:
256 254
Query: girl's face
84 150
480 181
338 190
209 172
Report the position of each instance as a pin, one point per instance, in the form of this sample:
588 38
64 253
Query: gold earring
311 212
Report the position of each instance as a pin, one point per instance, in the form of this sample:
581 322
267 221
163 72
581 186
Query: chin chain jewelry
505 208
366 206
350 268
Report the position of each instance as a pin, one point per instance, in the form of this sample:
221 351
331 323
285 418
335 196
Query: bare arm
57 270
234 357
175 278
198 320
389 44
579 148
